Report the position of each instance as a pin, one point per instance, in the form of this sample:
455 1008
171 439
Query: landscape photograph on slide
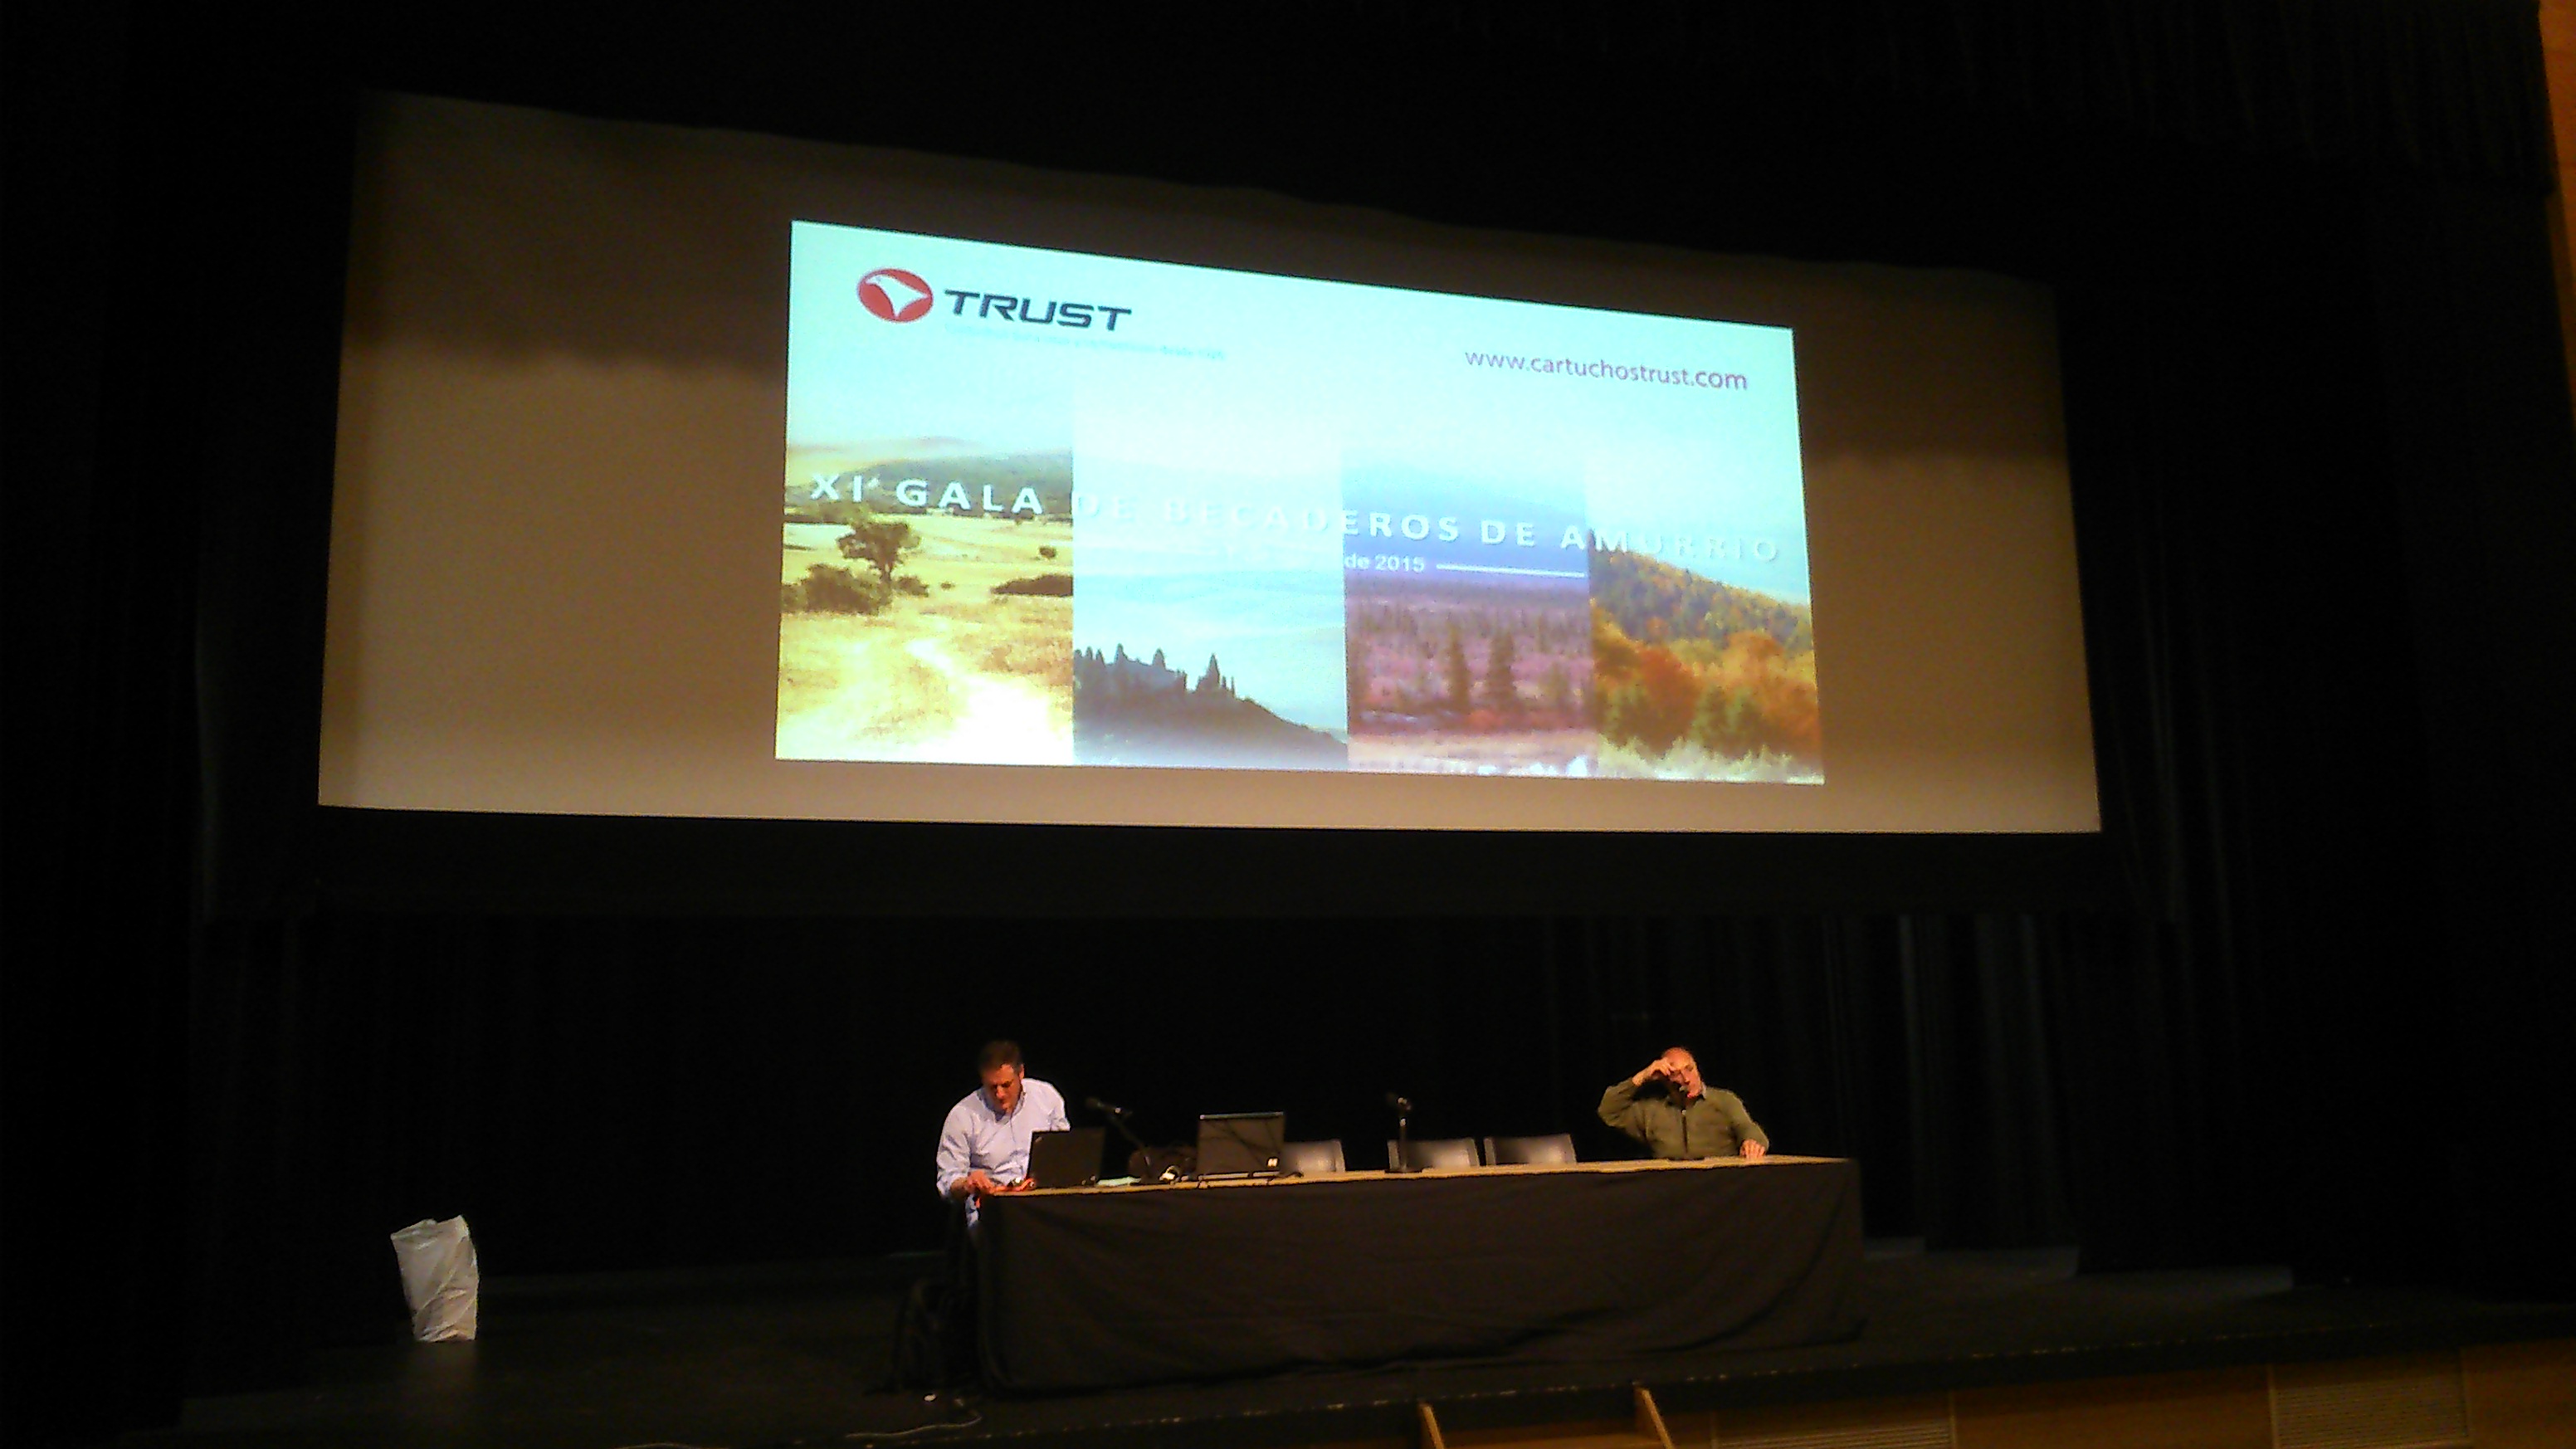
1468 653
1693 679
1047 508
1479 676
1197 646
912 629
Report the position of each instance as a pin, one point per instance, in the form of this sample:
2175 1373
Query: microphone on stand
1118 1116
1403 1108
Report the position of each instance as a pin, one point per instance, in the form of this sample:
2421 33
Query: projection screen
1101 501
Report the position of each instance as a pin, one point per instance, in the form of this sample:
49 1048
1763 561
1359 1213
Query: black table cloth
1100 1288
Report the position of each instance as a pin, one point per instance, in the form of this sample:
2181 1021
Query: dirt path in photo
840 685
1000 721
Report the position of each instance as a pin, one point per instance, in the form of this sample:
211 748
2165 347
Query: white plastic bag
440 1279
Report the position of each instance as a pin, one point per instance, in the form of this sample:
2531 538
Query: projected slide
1045 507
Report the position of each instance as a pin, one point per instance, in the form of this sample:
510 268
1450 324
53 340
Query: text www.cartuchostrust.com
1611 371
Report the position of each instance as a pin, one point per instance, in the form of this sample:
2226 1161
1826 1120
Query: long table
1088 1288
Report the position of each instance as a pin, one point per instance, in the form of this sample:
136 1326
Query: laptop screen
1241 1144
1067 1158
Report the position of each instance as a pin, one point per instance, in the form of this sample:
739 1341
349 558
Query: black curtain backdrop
2322 461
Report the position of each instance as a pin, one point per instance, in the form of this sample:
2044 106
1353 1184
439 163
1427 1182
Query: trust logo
895 295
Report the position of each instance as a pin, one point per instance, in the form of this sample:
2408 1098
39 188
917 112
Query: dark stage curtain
100 784
2321 455
604 1094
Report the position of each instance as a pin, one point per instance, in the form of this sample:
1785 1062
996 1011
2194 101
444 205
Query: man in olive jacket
1684 1120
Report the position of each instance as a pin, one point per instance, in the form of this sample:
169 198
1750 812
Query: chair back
1311 1159
1437 1152
1554 1148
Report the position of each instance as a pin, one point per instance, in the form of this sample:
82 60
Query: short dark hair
997 1054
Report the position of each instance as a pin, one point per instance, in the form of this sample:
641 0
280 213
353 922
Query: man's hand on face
1680 1079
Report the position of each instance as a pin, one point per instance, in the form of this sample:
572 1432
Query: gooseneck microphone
1402 1106
1118 1116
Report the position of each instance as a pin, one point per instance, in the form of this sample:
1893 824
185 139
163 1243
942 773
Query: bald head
1681 1069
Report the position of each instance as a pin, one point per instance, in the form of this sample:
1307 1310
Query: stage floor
791 1354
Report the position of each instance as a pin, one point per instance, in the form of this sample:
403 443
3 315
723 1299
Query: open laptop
1241 1144
1069 1158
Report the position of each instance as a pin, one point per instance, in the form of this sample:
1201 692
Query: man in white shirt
984 1144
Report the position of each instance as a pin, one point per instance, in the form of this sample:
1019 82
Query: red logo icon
895 294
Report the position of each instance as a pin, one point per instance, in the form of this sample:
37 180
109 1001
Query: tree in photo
829 590
1780 698
1725 721
1614 654
1502 692
877 542
1461 679
1558 688
1652 708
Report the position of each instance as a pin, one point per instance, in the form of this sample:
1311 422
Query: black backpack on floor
934 1338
